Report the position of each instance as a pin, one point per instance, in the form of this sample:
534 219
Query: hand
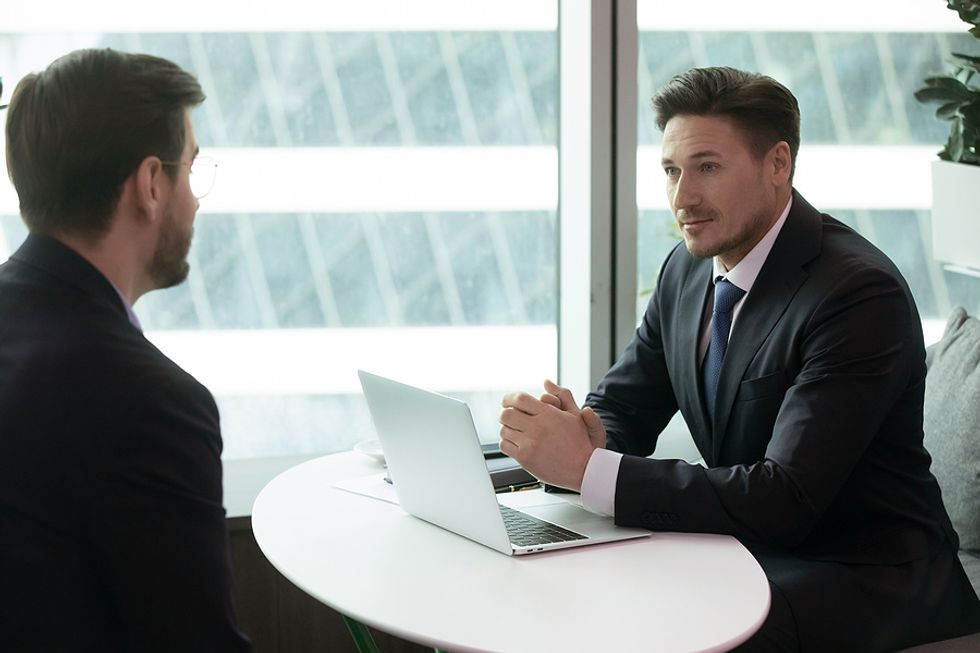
550 437
562 398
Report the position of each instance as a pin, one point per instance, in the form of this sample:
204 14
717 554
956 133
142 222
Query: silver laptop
437 466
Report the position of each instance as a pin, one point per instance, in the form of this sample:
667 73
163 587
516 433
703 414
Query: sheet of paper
373 486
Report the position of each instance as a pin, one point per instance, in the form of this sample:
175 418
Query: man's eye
708 167
671 172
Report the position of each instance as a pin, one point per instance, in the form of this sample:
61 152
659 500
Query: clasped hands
550 436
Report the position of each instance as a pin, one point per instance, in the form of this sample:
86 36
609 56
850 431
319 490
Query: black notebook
507 475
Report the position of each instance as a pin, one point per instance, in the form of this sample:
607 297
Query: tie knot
727 295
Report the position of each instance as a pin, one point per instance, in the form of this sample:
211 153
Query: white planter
956 213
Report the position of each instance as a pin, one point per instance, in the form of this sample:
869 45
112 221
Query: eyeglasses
203 170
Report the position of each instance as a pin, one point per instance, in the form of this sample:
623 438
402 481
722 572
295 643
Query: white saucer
371 449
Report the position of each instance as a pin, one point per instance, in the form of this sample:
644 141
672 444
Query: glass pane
385 198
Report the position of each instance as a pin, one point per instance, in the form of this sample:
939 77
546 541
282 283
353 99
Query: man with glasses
112 529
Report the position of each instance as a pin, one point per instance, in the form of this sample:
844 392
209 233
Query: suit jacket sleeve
158 524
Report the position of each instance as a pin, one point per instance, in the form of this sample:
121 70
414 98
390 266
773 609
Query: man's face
724 199
169 266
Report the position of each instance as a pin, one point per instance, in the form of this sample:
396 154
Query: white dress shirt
602 471
135 321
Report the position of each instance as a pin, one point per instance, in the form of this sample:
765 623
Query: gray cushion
952 423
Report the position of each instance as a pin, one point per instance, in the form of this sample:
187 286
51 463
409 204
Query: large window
388 184
386 198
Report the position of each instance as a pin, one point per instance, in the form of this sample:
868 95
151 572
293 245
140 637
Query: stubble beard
169 266
744 239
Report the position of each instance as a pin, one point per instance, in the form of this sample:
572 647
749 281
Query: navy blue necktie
727 295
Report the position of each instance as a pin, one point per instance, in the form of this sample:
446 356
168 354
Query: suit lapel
781 276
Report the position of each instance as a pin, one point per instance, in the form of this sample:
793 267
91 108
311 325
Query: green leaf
949 83
966 57
957 93
948 110
943 95
945 89
968 10
967 62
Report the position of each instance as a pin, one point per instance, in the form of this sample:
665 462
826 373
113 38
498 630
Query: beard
169 266
740 242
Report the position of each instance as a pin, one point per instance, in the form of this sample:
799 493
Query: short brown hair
77 130
762 108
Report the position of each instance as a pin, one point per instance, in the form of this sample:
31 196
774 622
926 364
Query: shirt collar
745 271
135 321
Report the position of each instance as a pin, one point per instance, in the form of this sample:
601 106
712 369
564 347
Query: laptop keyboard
525 530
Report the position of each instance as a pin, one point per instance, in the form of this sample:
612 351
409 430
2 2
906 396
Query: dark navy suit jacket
112 529
815 459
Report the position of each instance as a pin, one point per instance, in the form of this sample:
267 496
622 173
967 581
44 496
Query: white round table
371 561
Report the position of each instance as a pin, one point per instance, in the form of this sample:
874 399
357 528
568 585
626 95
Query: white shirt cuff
599 482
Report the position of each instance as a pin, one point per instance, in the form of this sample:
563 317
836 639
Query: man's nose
684 193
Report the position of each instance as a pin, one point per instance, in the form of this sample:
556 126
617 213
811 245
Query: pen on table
520 487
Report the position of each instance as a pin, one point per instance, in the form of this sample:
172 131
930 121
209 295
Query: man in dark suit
112 529
793 349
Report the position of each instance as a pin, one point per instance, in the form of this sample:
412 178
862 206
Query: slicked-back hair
77 130
760 107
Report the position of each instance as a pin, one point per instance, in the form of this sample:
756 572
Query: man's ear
149 184
781 163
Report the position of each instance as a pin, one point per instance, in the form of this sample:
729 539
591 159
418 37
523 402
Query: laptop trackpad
573 518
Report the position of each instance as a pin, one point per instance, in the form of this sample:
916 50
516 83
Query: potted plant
956 176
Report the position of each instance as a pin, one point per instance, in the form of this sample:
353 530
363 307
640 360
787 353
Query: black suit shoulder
110 474
76 351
